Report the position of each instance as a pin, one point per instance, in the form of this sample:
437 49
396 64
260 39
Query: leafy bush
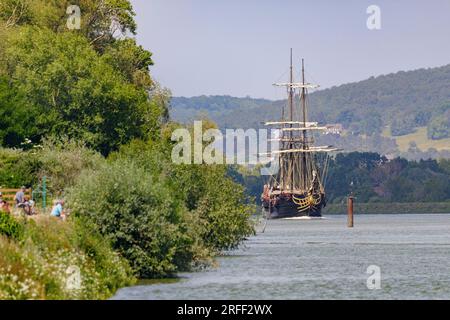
218 201
10 227
140 215
17 168
62 161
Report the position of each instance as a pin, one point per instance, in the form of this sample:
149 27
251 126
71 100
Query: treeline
80 108
373 179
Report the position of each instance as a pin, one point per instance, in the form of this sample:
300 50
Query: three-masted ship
297 189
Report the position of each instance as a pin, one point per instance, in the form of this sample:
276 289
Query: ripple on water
322 259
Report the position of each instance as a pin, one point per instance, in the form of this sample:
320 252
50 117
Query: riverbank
50 259
386 208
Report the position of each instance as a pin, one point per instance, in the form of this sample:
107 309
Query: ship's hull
286 207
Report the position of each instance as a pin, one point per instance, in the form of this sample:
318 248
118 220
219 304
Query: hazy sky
240 47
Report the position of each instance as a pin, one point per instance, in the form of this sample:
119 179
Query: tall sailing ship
297 189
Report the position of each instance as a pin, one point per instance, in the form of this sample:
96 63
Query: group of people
28 205
23 202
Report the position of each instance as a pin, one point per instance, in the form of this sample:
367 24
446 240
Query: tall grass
37 266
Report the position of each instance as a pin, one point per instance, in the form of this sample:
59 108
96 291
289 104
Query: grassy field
421 140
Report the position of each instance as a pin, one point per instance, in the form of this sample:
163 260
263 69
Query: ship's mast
303 95
296 159
304 172
291 93
291 118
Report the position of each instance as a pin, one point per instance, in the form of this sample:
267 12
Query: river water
323 259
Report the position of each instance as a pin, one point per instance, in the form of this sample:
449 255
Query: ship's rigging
301 176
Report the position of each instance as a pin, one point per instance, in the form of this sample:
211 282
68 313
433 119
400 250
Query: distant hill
402 100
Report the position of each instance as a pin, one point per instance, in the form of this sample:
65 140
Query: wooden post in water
350 211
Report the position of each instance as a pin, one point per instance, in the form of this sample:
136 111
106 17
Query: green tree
76 92
132 61
100 19
16 116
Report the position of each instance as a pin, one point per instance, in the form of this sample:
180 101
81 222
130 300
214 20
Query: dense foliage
161 217
15 115
16 169
97 17
218 202
85 84
59 161
93 102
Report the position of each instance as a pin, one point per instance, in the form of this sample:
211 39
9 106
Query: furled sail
303 128
297 85
297 185
309 150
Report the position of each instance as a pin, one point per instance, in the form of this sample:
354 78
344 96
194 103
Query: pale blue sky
240 47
